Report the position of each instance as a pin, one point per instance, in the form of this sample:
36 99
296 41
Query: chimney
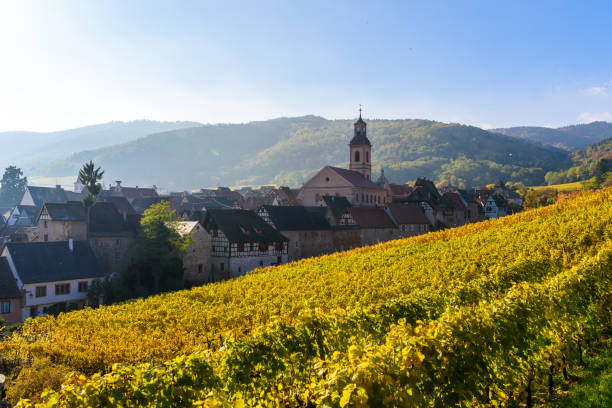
70 244
117 185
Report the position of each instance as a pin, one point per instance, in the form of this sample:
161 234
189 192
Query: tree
89 177
162 247
13 186
159 264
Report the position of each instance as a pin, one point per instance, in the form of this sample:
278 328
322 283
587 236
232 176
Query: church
355 183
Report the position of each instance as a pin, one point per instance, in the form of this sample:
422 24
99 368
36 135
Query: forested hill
289 150
27 148
592 161
569 137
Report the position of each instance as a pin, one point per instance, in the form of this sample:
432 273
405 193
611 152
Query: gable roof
355 178
241 226
105 219
8 286
297 217
372 217
71 211
186 227
337 204
27 214
121 204
132 193
407 214
42 195
53 261
456 200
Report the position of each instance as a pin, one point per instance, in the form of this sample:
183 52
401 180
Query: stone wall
371 236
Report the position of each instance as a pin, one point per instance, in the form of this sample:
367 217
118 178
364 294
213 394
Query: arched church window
357 156
367 157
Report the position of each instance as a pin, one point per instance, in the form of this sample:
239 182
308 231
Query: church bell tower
361 149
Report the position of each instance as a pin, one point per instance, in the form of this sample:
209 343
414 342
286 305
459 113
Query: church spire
360 149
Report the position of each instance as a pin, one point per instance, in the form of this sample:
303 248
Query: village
52 250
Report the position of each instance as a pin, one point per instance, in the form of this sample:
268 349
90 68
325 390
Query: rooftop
54 261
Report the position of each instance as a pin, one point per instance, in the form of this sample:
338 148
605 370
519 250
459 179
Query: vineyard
475 316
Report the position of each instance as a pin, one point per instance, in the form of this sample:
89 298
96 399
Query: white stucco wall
51 298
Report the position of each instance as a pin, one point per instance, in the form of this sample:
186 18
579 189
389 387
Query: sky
65 64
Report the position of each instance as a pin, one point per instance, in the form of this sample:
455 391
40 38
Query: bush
33 379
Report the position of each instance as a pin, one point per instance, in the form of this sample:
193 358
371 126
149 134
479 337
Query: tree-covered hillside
27 149
569 137
593 161
289 150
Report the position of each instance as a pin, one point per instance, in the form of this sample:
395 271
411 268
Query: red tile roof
408 214
372 217
455 198
355 178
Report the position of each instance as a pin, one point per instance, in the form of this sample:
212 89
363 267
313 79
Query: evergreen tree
13 186
89 177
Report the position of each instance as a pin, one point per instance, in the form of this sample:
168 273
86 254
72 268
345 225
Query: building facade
240 242
53 276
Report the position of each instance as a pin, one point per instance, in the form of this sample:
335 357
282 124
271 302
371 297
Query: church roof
360 139
382 180
355 178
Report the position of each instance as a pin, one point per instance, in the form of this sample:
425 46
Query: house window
62 289
118 243
279 260
239 270
357 156
296 244
411 227
260 263
278 246
200 268
5 307
41 291
263 246
83 286
222 266
45 223
34 311
241 247
46 238
117 256
367 157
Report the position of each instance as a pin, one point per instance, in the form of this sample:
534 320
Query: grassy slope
561 187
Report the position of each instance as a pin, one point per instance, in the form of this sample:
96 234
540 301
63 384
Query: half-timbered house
242 241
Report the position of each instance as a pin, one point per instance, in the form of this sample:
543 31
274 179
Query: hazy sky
71 63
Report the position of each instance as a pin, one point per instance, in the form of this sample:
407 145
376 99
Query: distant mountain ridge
289 150
570 138
27 149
